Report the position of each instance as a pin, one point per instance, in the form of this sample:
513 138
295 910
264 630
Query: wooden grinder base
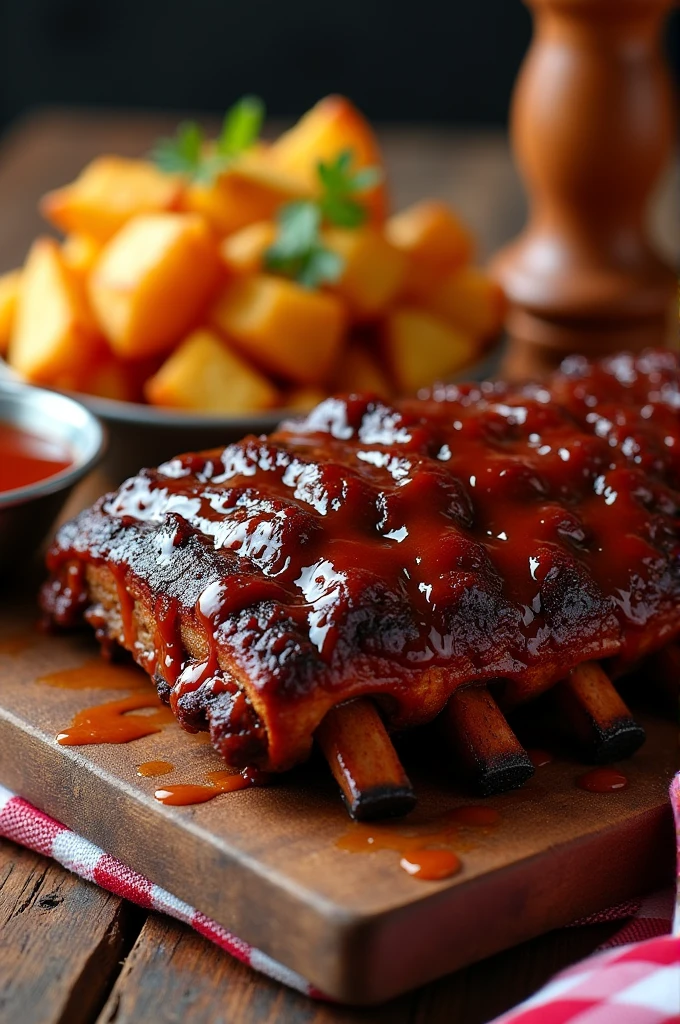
592 128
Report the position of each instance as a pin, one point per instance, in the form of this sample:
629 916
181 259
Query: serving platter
272 864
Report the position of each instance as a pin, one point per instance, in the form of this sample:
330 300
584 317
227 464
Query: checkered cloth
638 984
628 984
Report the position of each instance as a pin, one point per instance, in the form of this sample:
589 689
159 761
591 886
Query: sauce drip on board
96 674
425 848
149 769
113 723
26 458
16 643
603 780
218 782
540 758
431 865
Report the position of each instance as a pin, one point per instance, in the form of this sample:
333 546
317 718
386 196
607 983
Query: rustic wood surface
69 952
360 928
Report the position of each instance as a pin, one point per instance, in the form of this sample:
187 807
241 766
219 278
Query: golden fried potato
431 233
204 374
251 189
53 334
243 252
287 330
10 284
420 348
152 282
80 253
471 301
107 193
374 269
330 127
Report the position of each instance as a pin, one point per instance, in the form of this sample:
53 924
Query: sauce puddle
15 644
96 674
113 723
26 458
149 769
424 848
603 780
539 758
223 781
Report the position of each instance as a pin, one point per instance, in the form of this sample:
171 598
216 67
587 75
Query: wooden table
71 953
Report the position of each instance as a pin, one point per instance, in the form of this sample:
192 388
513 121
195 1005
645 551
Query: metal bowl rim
66 478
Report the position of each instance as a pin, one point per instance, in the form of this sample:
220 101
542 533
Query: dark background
425 60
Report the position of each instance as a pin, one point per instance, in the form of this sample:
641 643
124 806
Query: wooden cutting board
266 862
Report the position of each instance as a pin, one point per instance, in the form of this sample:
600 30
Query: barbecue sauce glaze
481 532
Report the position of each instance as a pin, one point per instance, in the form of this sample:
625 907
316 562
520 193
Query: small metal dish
146 435
26 513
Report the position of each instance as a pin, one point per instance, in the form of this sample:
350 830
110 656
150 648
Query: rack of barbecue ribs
374 566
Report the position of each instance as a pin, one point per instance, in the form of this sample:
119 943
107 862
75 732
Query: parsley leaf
340 184
298 252
190 154
182 154
241 126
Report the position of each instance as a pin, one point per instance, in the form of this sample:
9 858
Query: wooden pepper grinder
592 128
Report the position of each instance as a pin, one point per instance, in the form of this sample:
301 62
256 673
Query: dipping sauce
26 458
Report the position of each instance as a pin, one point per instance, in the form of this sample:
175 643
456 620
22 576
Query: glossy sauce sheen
603 780
424 848
485 532
218 782
26 458
112 722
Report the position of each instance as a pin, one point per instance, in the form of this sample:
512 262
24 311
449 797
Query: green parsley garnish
340 184
191 154
298 251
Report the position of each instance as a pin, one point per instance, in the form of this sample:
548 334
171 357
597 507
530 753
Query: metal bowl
146 435
26 513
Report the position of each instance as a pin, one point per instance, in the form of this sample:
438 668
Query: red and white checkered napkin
636 982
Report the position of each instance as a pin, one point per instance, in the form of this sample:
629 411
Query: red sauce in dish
149 769
603 780
113 723
26 458
218 782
